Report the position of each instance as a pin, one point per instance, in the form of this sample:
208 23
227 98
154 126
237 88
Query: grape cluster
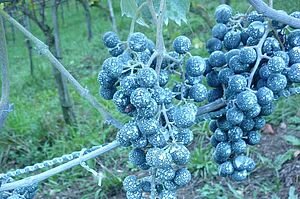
162 112
27 192
249 66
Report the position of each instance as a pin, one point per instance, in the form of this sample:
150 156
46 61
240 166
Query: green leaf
292 194
293 140
130 8
281 159
176 10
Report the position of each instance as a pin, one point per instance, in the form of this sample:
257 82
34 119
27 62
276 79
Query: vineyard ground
35 131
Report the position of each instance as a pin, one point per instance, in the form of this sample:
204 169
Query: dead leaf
268 129
296 153
283 125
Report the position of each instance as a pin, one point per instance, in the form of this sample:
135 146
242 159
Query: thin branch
152 11
112 16
44 50
259 55
4 64
4 103
160 45
134 19
43 176
271 13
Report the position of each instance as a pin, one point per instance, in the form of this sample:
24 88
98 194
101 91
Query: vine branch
152 11
43 176
271 13
44 50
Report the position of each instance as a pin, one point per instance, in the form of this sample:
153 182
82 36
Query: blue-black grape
113 67
237 83
147 77
270 46
238 147
198 92
137 42
223 13
226 169
195 66
217 59
140 97
294 73
276 82
246 100
253 138
235 134
165 174
234 116
220 136
247 55
256 29
110 39
182 177
137 156
212 79
185 116
180 154
213 44
224 75
182 44
264 96
130 183
276 65
129 132
232 39
148 126
219 30
293 38
237 66
230 54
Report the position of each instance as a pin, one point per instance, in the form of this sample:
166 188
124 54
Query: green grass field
35 130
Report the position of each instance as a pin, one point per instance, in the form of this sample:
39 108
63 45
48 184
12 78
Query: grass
35 130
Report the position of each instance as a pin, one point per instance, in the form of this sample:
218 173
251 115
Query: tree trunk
64 96
88 19
54 45
62 11
13 32
112 16
26 23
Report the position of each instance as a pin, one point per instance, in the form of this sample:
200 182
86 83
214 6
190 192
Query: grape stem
152 11
134 19
271 13
42 176
168 123
160 45
260 56
5 79
44 50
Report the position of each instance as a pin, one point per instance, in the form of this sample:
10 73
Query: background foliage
35 130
